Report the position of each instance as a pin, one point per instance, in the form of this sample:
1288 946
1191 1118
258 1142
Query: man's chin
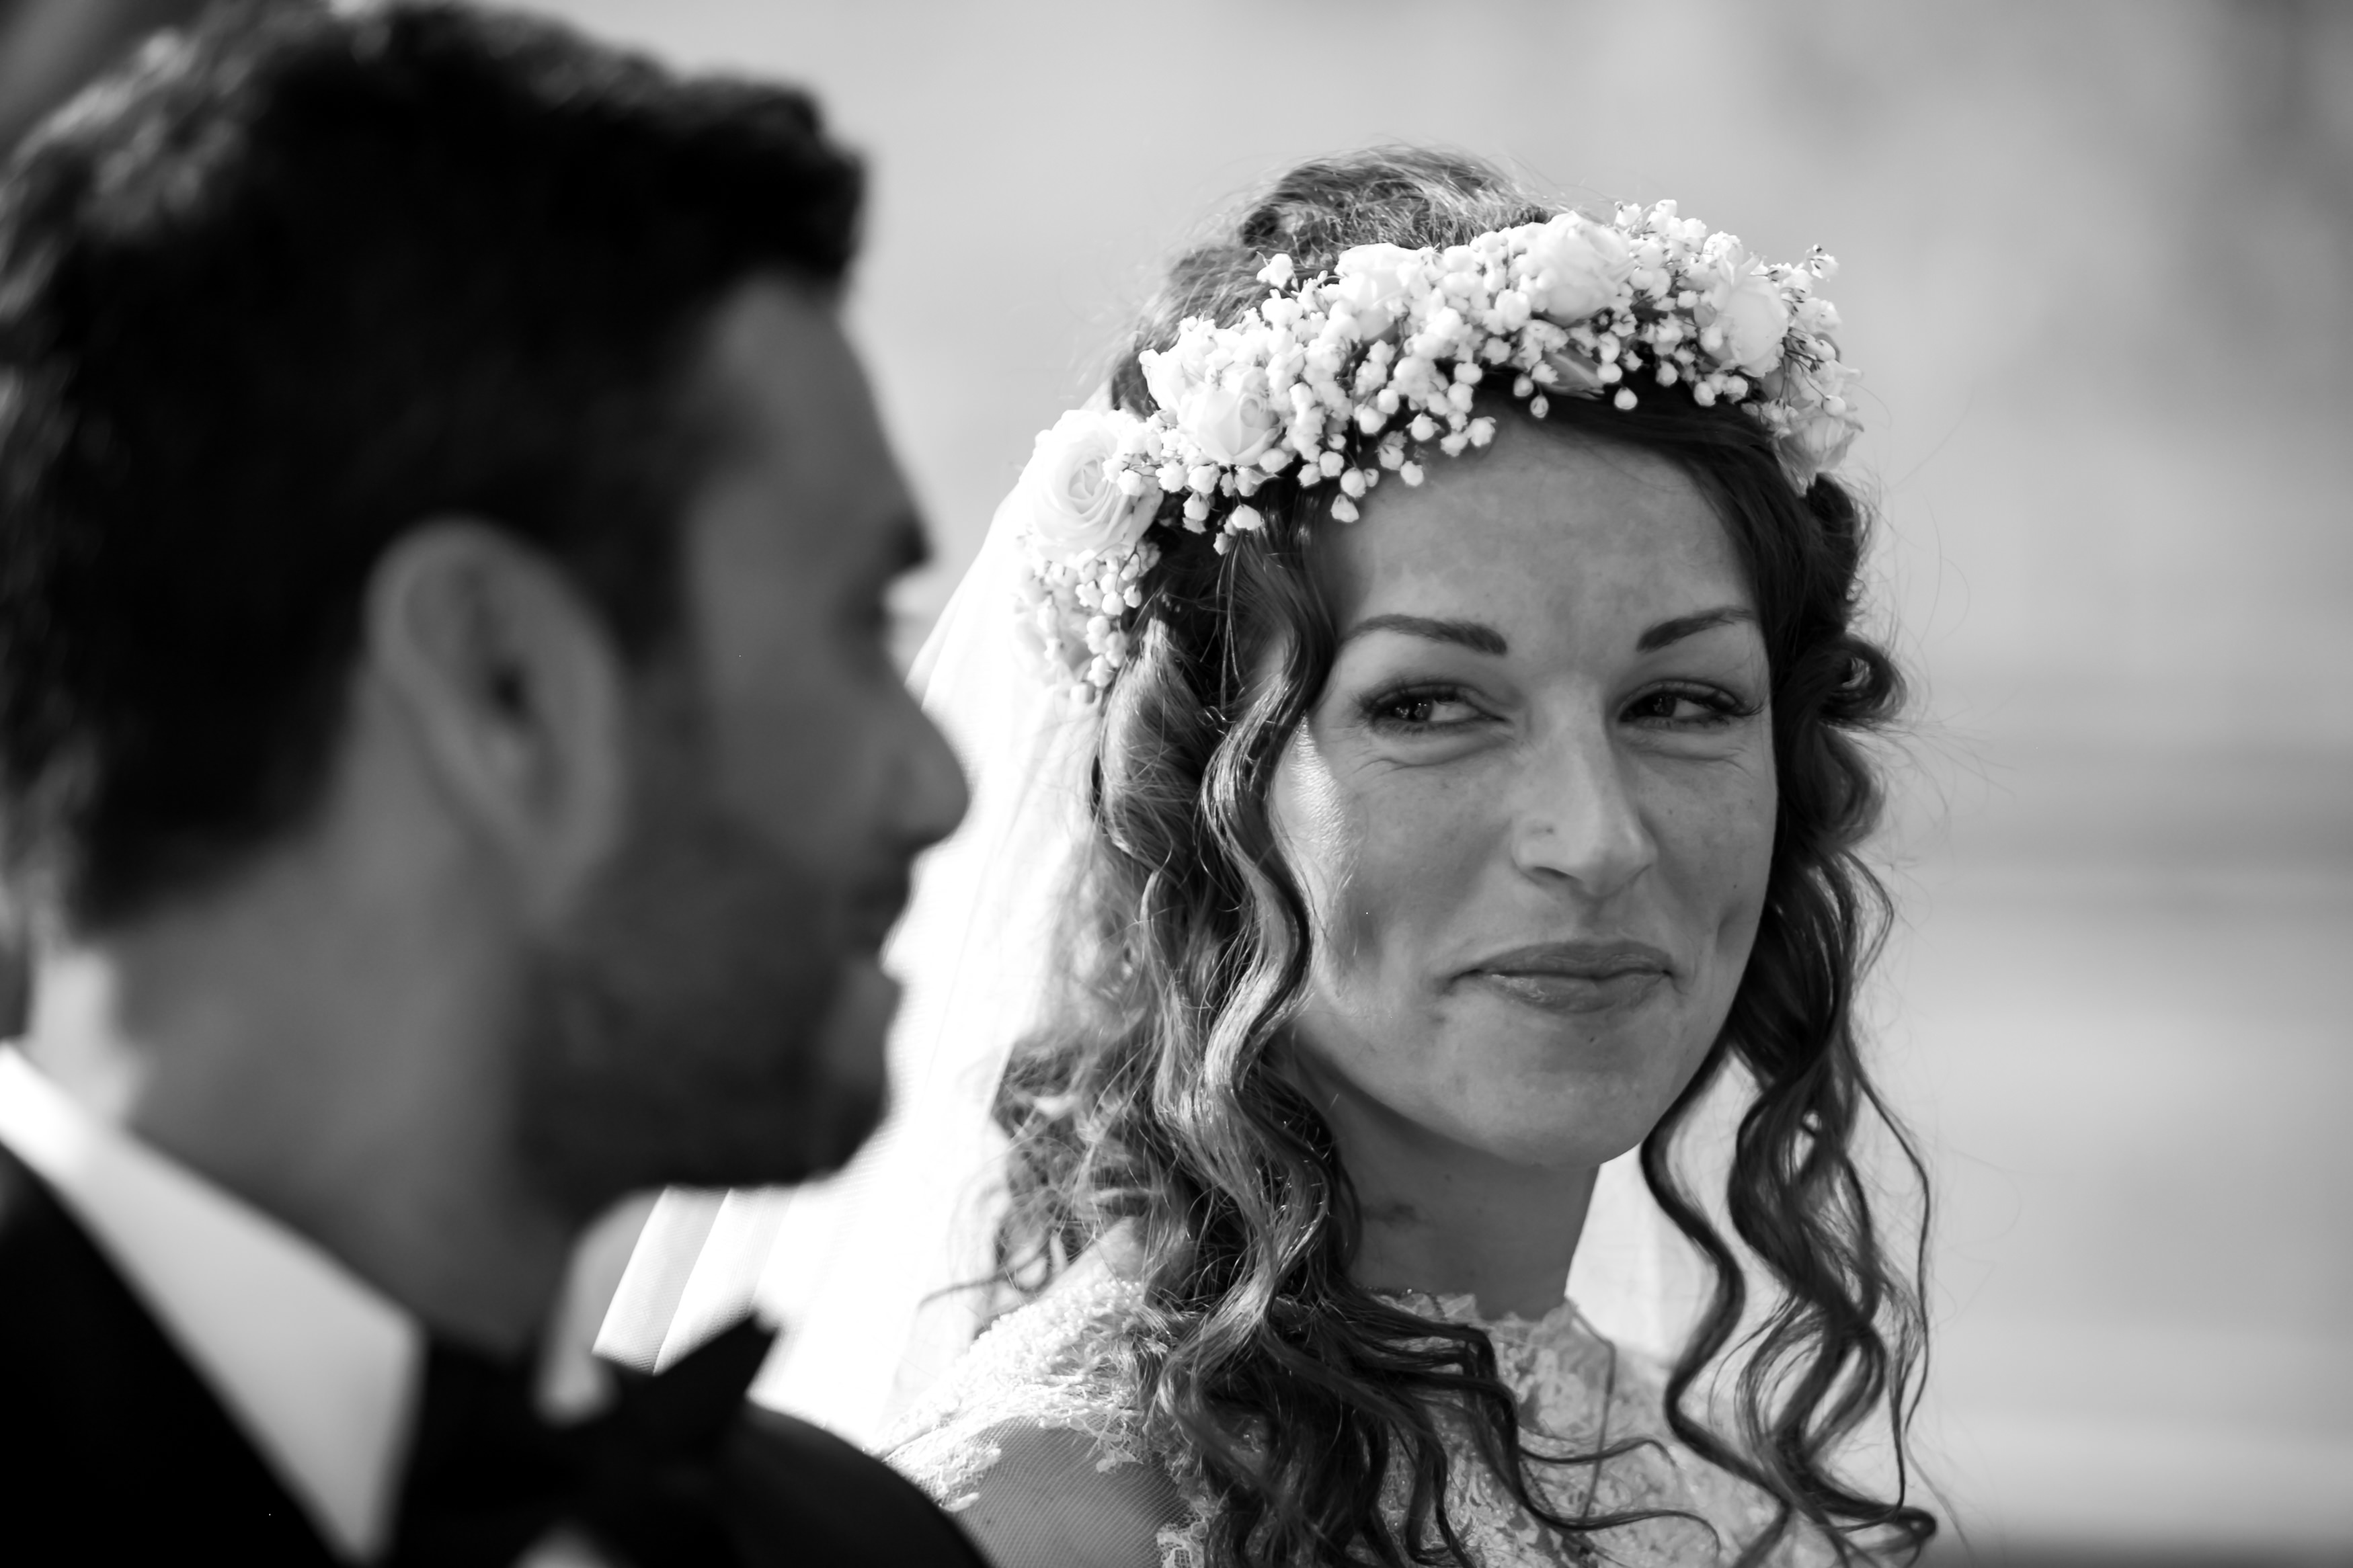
838 1143
849 1062
736 1098
598 1147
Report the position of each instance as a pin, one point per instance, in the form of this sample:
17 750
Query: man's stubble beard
697 1022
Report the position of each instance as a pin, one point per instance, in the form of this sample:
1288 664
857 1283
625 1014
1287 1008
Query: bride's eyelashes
1419 709
1687 705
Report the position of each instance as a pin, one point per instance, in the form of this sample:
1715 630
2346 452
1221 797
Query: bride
1463 609
1445 769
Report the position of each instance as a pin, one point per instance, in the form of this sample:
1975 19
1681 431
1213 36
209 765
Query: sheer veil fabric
860 1269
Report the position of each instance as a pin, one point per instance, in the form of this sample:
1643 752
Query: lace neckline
1042 1367
1559 1322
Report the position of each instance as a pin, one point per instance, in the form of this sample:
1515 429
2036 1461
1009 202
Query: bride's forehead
1537 517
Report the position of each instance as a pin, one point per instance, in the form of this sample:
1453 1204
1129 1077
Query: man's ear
516 694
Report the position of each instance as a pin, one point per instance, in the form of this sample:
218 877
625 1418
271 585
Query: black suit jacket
113 1449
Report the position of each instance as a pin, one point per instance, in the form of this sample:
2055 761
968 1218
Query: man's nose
1580 820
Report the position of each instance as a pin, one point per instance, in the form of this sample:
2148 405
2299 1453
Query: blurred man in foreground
449 757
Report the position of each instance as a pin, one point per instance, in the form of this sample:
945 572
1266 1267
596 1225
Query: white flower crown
1343 376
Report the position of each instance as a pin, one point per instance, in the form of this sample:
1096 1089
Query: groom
451 770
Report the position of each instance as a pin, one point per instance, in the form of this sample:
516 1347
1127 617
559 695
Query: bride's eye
1419 708
1688 708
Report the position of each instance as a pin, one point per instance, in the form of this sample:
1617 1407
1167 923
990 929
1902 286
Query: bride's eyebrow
1476 636
1682 626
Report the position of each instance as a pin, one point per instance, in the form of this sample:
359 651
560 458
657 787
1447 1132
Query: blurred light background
2099 267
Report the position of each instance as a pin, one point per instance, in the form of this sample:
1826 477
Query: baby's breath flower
1309 385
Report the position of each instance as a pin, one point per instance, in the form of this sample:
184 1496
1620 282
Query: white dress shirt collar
320 1369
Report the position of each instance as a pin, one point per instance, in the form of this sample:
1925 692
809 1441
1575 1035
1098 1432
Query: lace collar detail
1560 1325
1044 1366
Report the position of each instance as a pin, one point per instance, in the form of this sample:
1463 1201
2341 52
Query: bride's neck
1467 1224
1446 1218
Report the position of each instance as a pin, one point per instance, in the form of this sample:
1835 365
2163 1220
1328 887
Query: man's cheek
784 775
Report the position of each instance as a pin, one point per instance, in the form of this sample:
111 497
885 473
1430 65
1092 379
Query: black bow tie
487 1478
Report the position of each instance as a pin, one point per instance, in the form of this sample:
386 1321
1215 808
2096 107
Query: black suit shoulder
808 1497
111 1448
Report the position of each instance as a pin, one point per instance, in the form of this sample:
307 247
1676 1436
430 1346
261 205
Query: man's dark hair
291 283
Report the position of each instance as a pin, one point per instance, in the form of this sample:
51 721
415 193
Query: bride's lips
1573 976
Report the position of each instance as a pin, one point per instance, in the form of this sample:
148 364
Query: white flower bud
1625 398
1410 473
1482 432
1196 510
1422 429
1203 478
1343 509
1452 445
1352 483
1330 463
1523 386
1246 520
1539 405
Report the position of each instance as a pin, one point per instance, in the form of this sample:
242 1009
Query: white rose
1578 266
1166 376
1752 318
1231 422
1817 445
1075 501
1373 281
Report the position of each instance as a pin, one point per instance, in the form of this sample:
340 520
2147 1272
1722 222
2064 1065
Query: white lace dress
1036 1448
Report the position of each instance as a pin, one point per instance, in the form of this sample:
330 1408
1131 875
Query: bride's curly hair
1153 1097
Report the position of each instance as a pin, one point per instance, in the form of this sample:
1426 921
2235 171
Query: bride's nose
1578 819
